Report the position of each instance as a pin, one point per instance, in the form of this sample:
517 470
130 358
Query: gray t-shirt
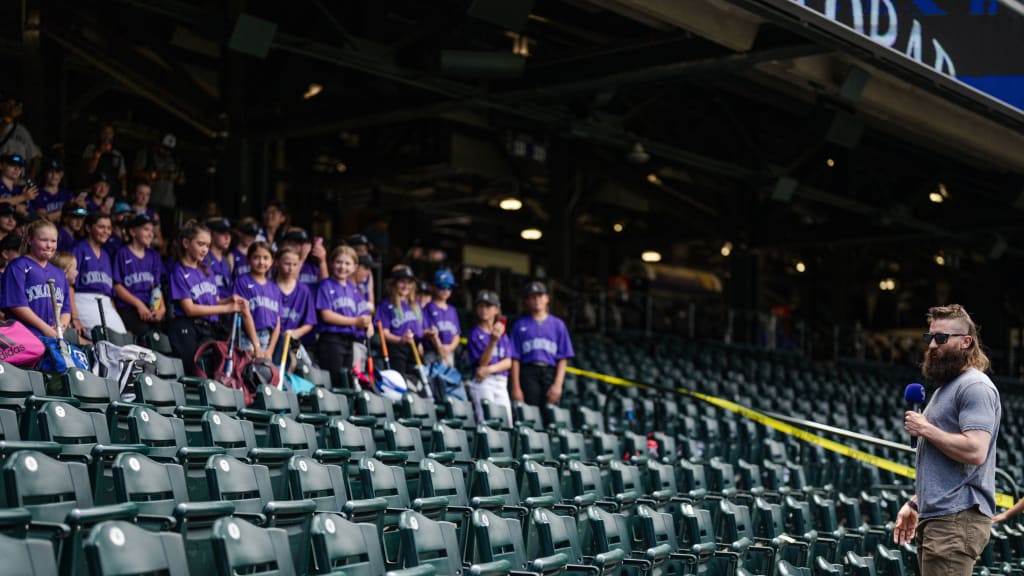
970 402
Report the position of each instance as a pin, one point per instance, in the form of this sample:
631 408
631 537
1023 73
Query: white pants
89 312
494 389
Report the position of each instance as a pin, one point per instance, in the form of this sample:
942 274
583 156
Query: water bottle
156 298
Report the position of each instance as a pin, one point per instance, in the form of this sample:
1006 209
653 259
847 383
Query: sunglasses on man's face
939 337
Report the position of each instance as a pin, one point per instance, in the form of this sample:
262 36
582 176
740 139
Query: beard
943 366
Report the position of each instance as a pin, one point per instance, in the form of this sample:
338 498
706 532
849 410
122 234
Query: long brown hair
975 355
188 231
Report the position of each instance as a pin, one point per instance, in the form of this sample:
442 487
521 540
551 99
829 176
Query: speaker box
252 36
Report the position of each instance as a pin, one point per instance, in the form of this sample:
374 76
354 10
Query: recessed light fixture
653 179
531 234
651 256
511 204
312 91
617 227
726 249
800 266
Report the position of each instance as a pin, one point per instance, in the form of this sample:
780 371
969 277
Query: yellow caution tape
1002 500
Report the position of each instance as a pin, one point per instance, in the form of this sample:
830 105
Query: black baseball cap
277 204
219 225
100 176
138 220
487 297
72 209
15 159
11 242
536 288
402 272
357 240
366 260
298 235
26 218
7 210
249 228
52 165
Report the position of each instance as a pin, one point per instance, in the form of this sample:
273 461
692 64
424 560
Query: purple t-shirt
221 274
264 301
138 275
91 204
477 343
241 263
398 320
343 299
446 320
188 282
297 308
112 246
65 241
24 284
95 273
309 275
50 202
545 342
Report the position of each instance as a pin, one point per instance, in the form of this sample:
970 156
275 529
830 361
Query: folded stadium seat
163 395
655 534
358 440
668 449
541 486
426 547
710 433
268 400
247 486
237 438
784 568
691 480
826 522
29 557
496 487
405 449
553 541
84 437
800 524
380 480
494 415
667 415
860 565
524 414
16 385
588 420
344 547
158 490
416 412
557 418
696 531
58 495
770 528
209 395
448 482
749 481
634 444
117 547
494 445
495 546
166 440
454 442
661 488
607 543
863 515
324 403
534 445
243 548
169 367
737 532
378 407
586 482
102 333
93 392
606 447
889 562
571 446
627 485
721 480
459 414
11 442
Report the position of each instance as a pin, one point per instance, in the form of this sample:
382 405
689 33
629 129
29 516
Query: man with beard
956 452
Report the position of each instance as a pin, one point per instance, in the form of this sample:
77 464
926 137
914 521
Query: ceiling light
341 167
637 154
617 227
653 179
935 197
887 284
726 249
511 204
940 194
830 163
531 234
651 256
940 259
312 91
800 266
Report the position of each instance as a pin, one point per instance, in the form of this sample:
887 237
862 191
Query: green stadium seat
607 543
655 533
424 542
169 367
238 439
93 392
29 557
860 565
242 548
118 548
163 395
737 532
343 547
524 414
553 545
495 545
494 445
166 440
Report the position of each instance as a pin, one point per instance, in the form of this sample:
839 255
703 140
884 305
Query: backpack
259 372
53 358
211 362
124 364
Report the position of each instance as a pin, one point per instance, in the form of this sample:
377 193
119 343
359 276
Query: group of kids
292 287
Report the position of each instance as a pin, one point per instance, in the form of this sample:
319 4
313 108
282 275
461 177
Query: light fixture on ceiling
800 266
830 163
617 227
887 285
312 91
511 204
726 249
653 179
341 167
939 259
651 256
637 154
531 234
940 194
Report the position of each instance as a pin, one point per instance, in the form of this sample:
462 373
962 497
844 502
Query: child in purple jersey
298 314
441 321
216 259
71 221
137 272
488 349
540 351
194 294
140 205
52 196
245 235
342 328
311 253
95 284
401 318
263 322
26 294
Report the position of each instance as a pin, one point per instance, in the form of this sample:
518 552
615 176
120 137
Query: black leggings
534 380
186 335
335 354
135 324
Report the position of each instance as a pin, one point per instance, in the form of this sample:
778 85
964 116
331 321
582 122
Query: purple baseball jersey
95 272
241 263
221 274
24 284
446 320
309 275
343 299
264 300
188 282
297 308
138 275
65 241
477 343
399 319
50 202
113 245
545 342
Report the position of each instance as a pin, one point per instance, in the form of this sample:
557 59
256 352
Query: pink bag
18 345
